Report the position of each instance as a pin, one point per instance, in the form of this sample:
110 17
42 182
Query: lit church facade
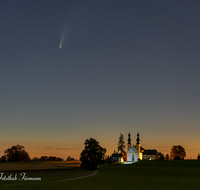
136 152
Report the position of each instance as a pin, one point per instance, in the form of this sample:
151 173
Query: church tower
129 139
133 151
138 142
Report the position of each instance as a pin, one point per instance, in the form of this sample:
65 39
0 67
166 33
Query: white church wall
133 157
133 152
136 156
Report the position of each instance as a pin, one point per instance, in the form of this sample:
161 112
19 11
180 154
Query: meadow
38 165
151 175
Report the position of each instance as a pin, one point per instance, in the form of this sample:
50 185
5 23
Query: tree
92 155
121 145
16 154
3 159
44 158
52 158
167 157
59 159
177 158
177 151
49 158
70 158
109 160
35 159
160 156
198 157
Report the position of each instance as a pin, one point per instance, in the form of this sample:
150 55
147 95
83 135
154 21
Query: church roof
141 148
150 152
117 155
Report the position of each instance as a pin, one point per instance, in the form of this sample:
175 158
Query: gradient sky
123 65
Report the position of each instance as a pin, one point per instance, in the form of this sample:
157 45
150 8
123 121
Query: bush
109 160
177 158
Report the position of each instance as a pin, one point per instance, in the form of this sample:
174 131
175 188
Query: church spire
138 142
129 139
138 138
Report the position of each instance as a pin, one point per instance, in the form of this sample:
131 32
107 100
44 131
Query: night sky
72 70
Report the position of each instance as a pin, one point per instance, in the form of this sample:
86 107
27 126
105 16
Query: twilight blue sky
123 65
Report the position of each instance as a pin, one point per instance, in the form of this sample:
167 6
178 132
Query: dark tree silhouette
35 159
50 158
177 151
70 158
121 145
16 154
109 160
92 155
3 159
177 158
44 158
59 159
167 156
198 157
160 156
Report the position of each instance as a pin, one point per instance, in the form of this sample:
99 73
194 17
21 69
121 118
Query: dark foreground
151 175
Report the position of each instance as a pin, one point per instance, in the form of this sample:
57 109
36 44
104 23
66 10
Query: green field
38 165
149 175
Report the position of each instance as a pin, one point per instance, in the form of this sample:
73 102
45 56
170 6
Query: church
136 152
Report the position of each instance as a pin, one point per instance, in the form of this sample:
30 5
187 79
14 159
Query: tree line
92 155
18 153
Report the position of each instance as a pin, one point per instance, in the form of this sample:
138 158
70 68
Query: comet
63 37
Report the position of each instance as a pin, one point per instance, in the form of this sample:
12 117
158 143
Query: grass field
149 175
37 165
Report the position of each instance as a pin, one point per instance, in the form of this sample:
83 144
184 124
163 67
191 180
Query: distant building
136 152
198 157
117 157
149 155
